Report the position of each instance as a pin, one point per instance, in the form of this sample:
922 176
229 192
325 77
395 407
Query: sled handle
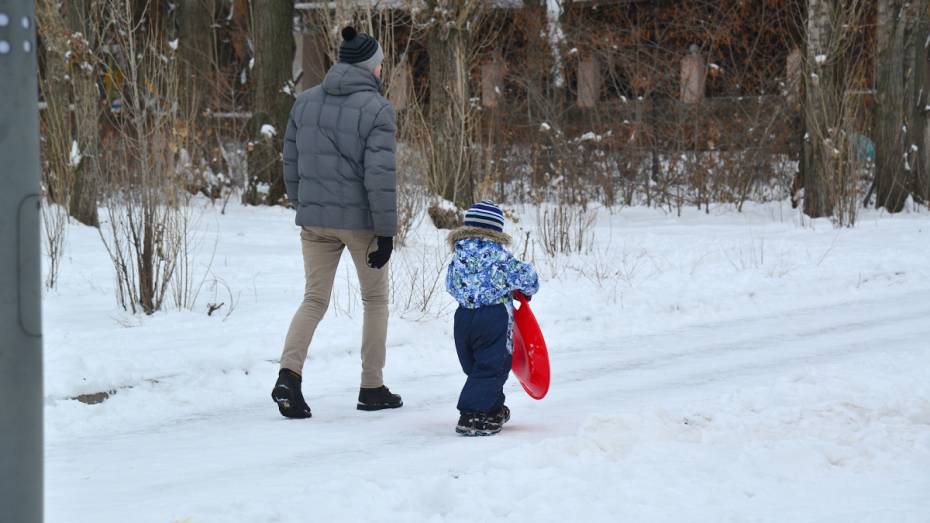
520 297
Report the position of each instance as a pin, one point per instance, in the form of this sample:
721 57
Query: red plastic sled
530 357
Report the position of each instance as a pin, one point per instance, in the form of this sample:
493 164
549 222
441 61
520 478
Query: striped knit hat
360 49
486 215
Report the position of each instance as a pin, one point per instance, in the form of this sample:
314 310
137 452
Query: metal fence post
20 269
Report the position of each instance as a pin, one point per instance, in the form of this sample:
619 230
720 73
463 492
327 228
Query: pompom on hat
360 49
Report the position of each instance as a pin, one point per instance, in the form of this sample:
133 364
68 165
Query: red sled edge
530 355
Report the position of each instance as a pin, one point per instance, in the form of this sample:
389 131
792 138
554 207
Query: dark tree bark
196 47
197 93
447 105
918 89
72 115
86 187
900 114
56 90
450 157
273 22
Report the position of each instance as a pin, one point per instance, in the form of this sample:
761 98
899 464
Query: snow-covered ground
731 367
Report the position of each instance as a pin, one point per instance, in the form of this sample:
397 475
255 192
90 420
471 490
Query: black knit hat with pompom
360 49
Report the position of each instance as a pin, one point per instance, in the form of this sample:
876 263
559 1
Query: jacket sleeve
380 181
520 276
291 174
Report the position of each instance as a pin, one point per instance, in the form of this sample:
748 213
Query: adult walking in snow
339 174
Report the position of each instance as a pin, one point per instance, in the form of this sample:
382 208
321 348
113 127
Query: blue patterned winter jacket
483 272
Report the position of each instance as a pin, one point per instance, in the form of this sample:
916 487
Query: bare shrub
755 255
146 222
411 193
55 225
418 281
187 284
619 129
564 229
444 217
609 269
743 257
144 240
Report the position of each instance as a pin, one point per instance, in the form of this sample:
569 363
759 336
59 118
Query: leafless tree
833 67
903 88
71 117
452 39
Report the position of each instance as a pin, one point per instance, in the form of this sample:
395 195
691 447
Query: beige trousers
322 249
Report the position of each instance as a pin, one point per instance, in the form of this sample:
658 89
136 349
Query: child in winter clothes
482 277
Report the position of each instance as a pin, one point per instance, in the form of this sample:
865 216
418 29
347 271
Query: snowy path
765 418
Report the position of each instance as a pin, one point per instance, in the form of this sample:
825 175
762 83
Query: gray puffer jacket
339 154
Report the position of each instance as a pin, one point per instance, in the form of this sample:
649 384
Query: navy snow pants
481 340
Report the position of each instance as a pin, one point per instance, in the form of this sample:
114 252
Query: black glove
380 257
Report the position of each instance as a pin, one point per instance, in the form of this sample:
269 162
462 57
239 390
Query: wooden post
589 82
693 76
794 68
492 83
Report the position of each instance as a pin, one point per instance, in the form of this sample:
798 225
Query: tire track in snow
885 330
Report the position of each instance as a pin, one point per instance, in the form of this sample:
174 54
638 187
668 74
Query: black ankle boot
377 399
478 424
501 414
287 395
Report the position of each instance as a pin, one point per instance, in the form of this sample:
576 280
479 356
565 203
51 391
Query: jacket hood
344 79
477 232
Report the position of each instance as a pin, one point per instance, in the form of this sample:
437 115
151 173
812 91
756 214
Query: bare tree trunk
72 115
198 90
450 166
833 64
448 105
917 96
272 23
900 114
537 78
196 50
918 93
86 187
819 99
56 118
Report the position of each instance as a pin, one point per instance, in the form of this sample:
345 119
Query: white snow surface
725 367
74 157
